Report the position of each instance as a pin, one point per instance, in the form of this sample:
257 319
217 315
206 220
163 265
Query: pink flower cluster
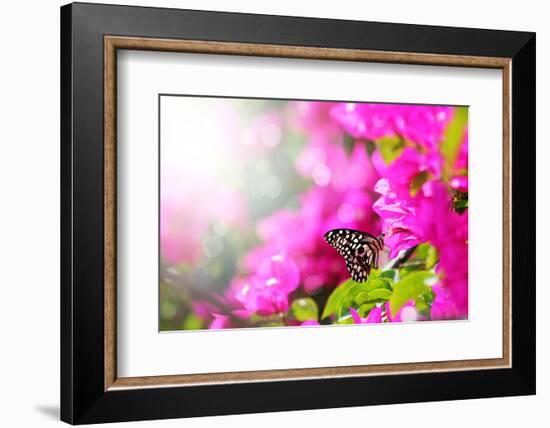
421 124
339 197
344 194
428 217
266 291
407 313
409 198
413 216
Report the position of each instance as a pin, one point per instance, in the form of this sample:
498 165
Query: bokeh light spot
212 246
346 213
321 175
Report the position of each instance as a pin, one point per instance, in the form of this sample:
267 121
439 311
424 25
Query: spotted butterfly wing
360 250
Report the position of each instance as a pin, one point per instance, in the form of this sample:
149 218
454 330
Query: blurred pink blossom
220 321
408 165
187 210
429 217
397 209
178 241
300 234
310 322
267 291
420 124
407 313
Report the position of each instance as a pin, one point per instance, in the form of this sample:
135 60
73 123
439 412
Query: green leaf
376 288
389 274
390 148
426 252
168 309
351 293
365 309
334 300
346 319
349 297
376 283
429 296
461 204
432 257
380 294
454 135
304 309
411 287
192 322
349 143
418 181
362 297
369 147
342 298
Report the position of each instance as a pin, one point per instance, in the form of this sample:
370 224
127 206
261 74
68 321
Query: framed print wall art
265 213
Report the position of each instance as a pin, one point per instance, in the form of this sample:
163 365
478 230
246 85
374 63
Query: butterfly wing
359 249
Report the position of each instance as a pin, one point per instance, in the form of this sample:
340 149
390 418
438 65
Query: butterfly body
360 250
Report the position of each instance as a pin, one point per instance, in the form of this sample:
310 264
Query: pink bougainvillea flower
424 125
267 291
328 164
374 316
447 230
365 121
398 211
407 313
315 118
300 234
410 163
443 306
341 199
460 183
220 321
397 205
429 217
203 310
310 322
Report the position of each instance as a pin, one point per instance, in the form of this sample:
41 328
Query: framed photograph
265 213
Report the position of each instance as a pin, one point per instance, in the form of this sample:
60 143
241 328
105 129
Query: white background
29 231
144 352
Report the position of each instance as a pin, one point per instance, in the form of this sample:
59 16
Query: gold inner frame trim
113 43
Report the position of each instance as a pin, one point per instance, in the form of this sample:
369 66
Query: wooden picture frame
91 391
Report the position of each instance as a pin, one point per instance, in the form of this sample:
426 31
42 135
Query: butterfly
360 250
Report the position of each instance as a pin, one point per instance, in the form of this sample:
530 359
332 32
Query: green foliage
418 180
378 287
380 294
461 204
192 322
349 143
428 253
390 148
415 286
454 135
341 298
460 201
411 282
304 309
346 319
